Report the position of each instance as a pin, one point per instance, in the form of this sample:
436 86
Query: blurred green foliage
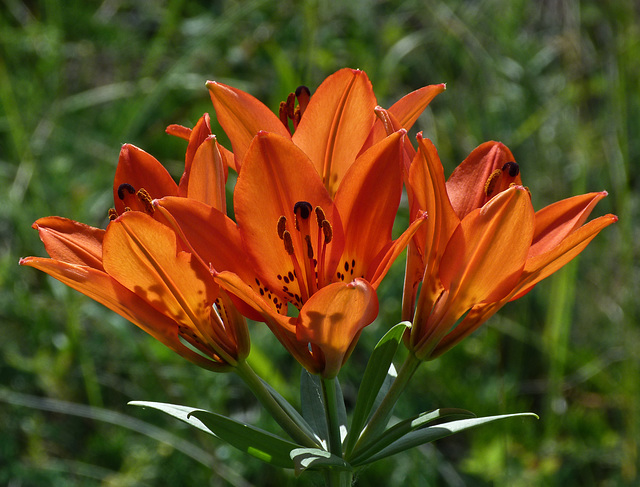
555 80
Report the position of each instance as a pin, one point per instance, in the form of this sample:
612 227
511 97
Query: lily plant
319 185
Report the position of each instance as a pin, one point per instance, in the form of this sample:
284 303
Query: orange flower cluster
318 188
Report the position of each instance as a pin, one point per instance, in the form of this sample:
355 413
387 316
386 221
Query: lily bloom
332 127
140 177
483 245
323 256
139 268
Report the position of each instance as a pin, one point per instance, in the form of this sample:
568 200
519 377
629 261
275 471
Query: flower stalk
248 375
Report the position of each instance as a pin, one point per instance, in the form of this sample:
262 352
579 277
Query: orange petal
544 264
210 233
333 318
105 290
70 241
486 253
406 110
410 107
204 178
368 200
283 327
179 131
426 178
199 134
275 176
387 256
336 123
466 185
556 221
142 255
242 116
141 170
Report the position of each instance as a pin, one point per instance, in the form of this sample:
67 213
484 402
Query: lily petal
142 255
242 116
141 170
275 176
556 221
542 265
204 179
336 123
333 318
102 288
467 185
367 201
487 252
70 241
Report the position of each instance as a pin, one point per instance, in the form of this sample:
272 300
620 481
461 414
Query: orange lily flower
325 256
483 245
139 268
140 177
332 127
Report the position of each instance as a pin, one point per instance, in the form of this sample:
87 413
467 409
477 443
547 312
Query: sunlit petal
368 200
141 170
336 124
242 116
487 252
468 185
333 318
71 242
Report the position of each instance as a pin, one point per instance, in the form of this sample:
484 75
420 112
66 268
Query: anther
307 239
512 167
288 242
113 214
492 180
145 198
320 216
328 231
282 226
125 187
302 209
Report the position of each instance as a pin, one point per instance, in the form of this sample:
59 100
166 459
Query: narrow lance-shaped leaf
373 378
402 428
312 405
432 433
249 439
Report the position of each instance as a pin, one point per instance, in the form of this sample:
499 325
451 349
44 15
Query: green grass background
558 81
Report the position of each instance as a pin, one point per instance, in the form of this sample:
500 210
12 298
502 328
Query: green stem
380 418
247 374
333 424
338 478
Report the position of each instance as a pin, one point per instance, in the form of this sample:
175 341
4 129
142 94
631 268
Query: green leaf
312 404
249 439
402 428
311 458
432 433
292 412
177 411
374 377
342 410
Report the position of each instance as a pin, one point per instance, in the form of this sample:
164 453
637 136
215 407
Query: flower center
501 179
306 252
133 200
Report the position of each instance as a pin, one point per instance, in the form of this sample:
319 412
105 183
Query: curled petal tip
23 260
